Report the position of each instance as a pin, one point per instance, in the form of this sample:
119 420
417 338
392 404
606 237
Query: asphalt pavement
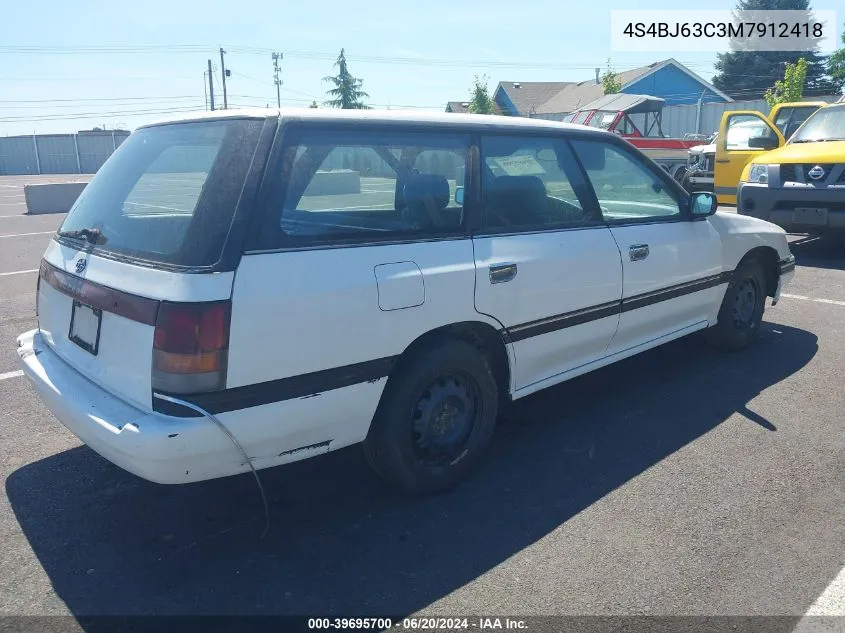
684 481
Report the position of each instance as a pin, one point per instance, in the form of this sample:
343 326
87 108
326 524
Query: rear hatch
134 289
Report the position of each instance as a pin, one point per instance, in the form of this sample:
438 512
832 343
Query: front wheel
742 308
435 420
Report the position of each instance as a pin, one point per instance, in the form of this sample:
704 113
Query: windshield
790 119
602 119
826 124
581 116
168 194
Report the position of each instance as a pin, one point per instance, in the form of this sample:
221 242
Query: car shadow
340 542
819 251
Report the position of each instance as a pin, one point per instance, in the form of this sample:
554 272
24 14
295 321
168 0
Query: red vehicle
638 119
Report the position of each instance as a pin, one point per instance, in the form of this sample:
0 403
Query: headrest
431 186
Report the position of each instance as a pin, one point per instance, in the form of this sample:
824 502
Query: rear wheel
742 308
435 420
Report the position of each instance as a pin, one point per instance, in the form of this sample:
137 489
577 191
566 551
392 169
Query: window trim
675 191
276 181
582 192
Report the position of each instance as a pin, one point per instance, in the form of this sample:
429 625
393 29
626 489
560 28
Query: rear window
168 194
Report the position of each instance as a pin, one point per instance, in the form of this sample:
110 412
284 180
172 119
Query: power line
330 56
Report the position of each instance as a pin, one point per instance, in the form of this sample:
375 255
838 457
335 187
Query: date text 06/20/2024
418 624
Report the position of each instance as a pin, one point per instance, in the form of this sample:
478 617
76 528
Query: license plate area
809 216
85 323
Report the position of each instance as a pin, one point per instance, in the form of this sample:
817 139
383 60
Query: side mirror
763 142
459 196
702 204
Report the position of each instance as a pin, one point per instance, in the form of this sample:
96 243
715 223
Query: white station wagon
297 281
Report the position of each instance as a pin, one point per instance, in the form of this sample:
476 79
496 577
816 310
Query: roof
556 97
575 96
529 94
632 104
462 107
376 116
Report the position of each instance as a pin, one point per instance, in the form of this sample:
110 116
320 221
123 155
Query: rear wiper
93 236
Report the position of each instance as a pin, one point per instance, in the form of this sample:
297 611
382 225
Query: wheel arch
483 336
768 258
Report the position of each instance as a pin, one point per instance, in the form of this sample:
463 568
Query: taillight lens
190 346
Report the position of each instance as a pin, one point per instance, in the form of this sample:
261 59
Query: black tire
451 382
742 308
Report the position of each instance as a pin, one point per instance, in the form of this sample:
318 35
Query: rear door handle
638 252
500 273
723 160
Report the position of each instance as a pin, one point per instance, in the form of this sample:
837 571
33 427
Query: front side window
371 186
627 190
742 128
531 182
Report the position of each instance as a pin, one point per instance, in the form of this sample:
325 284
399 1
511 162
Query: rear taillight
190 347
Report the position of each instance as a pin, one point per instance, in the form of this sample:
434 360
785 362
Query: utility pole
276 77
210 85
224 73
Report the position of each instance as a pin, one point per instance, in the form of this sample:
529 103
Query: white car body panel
742 233
679 253
549 282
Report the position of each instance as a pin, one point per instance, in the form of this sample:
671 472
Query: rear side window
531 183
338 186
168 194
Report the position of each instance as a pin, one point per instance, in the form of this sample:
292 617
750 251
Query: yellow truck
745 134
799 186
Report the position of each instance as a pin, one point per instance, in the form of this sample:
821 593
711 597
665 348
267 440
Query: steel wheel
745 303
443 419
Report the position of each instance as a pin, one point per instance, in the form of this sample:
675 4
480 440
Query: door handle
723 160
638 252
500 273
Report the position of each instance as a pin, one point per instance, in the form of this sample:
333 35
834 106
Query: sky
66 66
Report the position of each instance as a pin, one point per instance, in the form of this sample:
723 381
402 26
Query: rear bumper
156 447
777 205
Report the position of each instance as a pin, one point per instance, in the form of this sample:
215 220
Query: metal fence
82 153
705 118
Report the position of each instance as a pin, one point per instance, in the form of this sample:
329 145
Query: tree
347 92
313 105
748 74
480 101
791 87
836 65
610 80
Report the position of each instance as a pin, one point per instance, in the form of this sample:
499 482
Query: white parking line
25 234
819 617
803 298
19 272
11 374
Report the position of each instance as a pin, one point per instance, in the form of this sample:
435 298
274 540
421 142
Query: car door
362 249
546 266
671 264
743 134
